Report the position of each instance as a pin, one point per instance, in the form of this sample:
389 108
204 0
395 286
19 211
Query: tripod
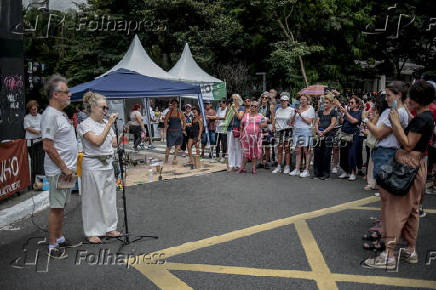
126 239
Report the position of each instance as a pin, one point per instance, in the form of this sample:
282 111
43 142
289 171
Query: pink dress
251 136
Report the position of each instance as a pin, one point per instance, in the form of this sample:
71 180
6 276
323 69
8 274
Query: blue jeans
211 138
380 156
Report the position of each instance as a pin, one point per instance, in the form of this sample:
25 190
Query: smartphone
394 105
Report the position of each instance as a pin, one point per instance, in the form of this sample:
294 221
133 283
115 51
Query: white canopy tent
136 59
187 70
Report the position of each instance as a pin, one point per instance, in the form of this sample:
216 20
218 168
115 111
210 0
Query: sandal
94 240
372 236
377 246
113 233
369 187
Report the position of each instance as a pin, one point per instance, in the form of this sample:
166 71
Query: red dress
251 137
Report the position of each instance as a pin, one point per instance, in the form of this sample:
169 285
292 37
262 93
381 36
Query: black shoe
70 244
57 253
324 177
267 166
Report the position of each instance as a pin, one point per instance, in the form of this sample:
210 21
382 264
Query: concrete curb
23 209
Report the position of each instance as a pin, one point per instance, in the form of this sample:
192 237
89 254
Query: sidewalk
19 207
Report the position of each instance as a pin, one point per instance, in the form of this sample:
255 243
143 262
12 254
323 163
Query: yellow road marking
381 280
243 271
192 246
159 275
315 257
298 274
427 210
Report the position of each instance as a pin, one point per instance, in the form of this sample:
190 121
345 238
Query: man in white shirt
60 146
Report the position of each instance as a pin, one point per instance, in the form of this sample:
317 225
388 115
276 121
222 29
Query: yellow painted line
161 277
427 210
237 234
315 257
243 271
298 274
382 280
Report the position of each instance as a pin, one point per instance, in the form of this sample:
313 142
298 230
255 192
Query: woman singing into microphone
99 210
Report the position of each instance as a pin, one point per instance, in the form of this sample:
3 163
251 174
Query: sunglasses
253 106
104 108
264 98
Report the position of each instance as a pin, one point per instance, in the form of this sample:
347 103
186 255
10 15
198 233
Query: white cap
284 98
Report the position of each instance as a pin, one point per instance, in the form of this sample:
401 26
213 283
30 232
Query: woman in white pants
99 208
233 119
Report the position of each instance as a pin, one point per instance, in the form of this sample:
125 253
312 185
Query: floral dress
251 137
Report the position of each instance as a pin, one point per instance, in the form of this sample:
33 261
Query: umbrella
313 90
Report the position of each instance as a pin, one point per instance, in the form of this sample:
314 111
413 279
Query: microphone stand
126 241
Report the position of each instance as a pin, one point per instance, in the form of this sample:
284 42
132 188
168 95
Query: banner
210 91
14 167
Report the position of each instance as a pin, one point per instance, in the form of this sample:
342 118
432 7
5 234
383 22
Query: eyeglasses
254 106
104 108
65 92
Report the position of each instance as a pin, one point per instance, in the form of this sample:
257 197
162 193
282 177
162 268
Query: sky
57 4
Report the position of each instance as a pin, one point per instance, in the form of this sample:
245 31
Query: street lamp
263 74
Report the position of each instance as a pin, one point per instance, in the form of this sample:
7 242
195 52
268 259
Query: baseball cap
284 96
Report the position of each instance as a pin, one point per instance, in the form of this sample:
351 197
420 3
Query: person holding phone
99 197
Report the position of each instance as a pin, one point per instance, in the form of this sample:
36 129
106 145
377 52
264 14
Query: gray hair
240 101
91 99
53 84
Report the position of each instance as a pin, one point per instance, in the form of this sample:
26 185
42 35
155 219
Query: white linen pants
234 151
99 202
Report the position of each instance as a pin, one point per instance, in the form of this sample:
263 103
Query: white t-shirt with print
89 125
33 122
390 140
221 114
282 117
56 126
299 123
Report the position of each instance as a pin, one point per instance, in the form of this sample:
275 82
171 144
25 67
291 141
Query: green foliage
245 36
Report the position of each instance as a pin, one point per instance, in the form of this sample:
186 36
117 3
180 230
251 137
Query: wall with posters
12 106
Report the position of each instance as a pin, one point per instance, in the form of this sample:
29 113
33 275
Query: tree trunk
300 59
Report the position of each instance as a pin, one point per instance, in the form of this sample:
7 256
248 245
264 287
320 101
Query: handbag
395 177
371 141
235 130
346 137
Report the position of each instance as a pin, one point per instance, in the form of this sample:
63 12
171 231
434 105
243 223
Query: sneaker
411 258
305 174
421 211
380 262
287 170
151 147
344 175
352 177
222 160
57 253
277 170
377 194
70 244
335 170
295 172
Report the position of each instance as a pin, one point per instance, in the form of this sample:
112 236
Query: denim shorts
211 138
303 137
380 156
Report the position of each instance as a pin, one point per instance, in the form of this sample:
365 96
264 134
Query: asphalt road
224 231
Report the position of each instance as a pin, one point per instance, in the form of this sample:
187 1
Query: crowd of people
275 132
